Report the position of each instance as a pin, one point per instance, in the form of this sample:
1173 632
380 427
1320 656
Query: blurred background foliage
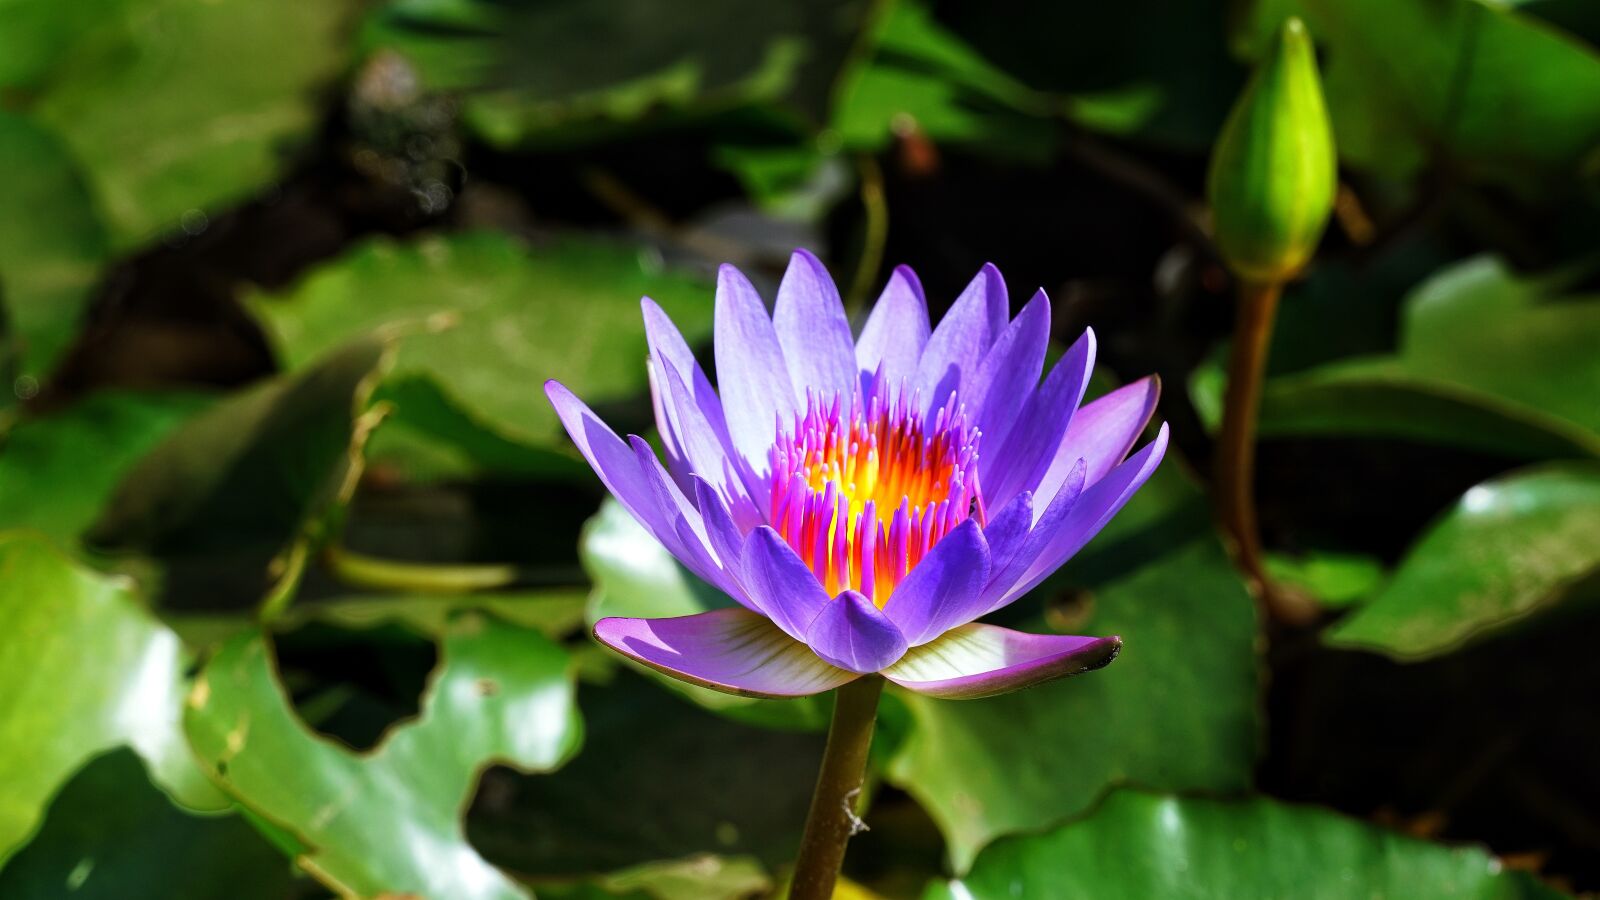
297 563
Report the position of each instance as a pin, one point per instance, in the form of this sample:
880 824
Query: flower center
861 493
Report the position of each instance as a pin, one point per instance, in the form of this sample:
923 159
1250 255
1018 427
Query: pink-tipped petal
896 332
853 634
984 660
813 331
731 650
756 390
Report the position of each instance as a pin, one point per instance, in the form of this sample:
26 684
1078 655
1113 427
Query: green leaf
255 470
51 243
39 33
634 576
554 612
1176 711
658 779
1487 360
1507 549
567 310
175 106
388 821
1336 580
85 669
1150 845
61 469
1501 96
110 832
537 72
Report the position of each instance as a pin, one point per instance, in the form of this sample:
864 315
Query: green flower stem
359 570
832 820
1236 449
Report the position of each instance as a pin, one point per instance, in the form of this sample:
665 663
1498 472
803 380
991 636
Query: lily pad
60 470
110 831
1138 844
79 641
389 821
178 107
52 243
1176 711
521 315
1508 548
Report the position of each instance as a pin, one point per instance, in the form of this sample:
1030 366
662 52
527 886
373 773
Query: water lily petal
1038 538
756 391
813 331
945 588
613 460
1102 433
1027 454
957 346
896 332
731 650
1089 514
690 543
1010 371
984 660
780 585
853 634
709 451
1006 529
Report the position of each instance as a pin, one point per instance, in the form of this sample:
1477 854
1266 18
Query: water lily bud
1274 170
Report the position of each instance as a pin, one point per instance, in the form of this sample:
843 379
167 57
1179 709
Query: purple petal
853 634
688 540
945 589
1003 576
612 460
731 650
1102 432
813 330
897 330
984 660
1010 372
726 539
1006 529
1088 515
779 583
705 445
677 464
756 391
957 346
1030 449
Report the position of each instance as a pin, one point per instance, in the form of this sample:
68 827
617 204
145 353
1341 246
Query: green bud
1274 169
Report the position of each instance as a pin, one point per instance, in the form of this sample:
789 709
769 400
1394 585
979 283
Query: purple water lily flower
865 500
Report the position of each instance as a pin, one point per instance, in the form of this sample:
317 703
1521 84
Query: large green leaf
51 243
60 470
1487 360
1150 845
389 821
567 310
85 669
1507 549
39 33
1501 96
634 576
180 105
1177 710
547 71
109 833
255 470
657 779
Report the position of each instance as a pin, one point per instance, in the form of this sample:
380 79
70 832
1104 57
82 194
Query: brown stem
1236 449
832 820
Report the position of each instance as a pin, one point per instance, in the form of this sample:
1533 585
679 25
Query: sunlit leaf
1150 845
109 833
85 669
389 821
1177 710
60 470
175 106
1507 549
52 244
522 314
